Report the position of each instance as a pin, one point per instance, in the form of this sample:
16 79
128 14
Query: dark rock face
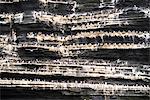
59 8
131 3
19 6
38 53
23 94
140 55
